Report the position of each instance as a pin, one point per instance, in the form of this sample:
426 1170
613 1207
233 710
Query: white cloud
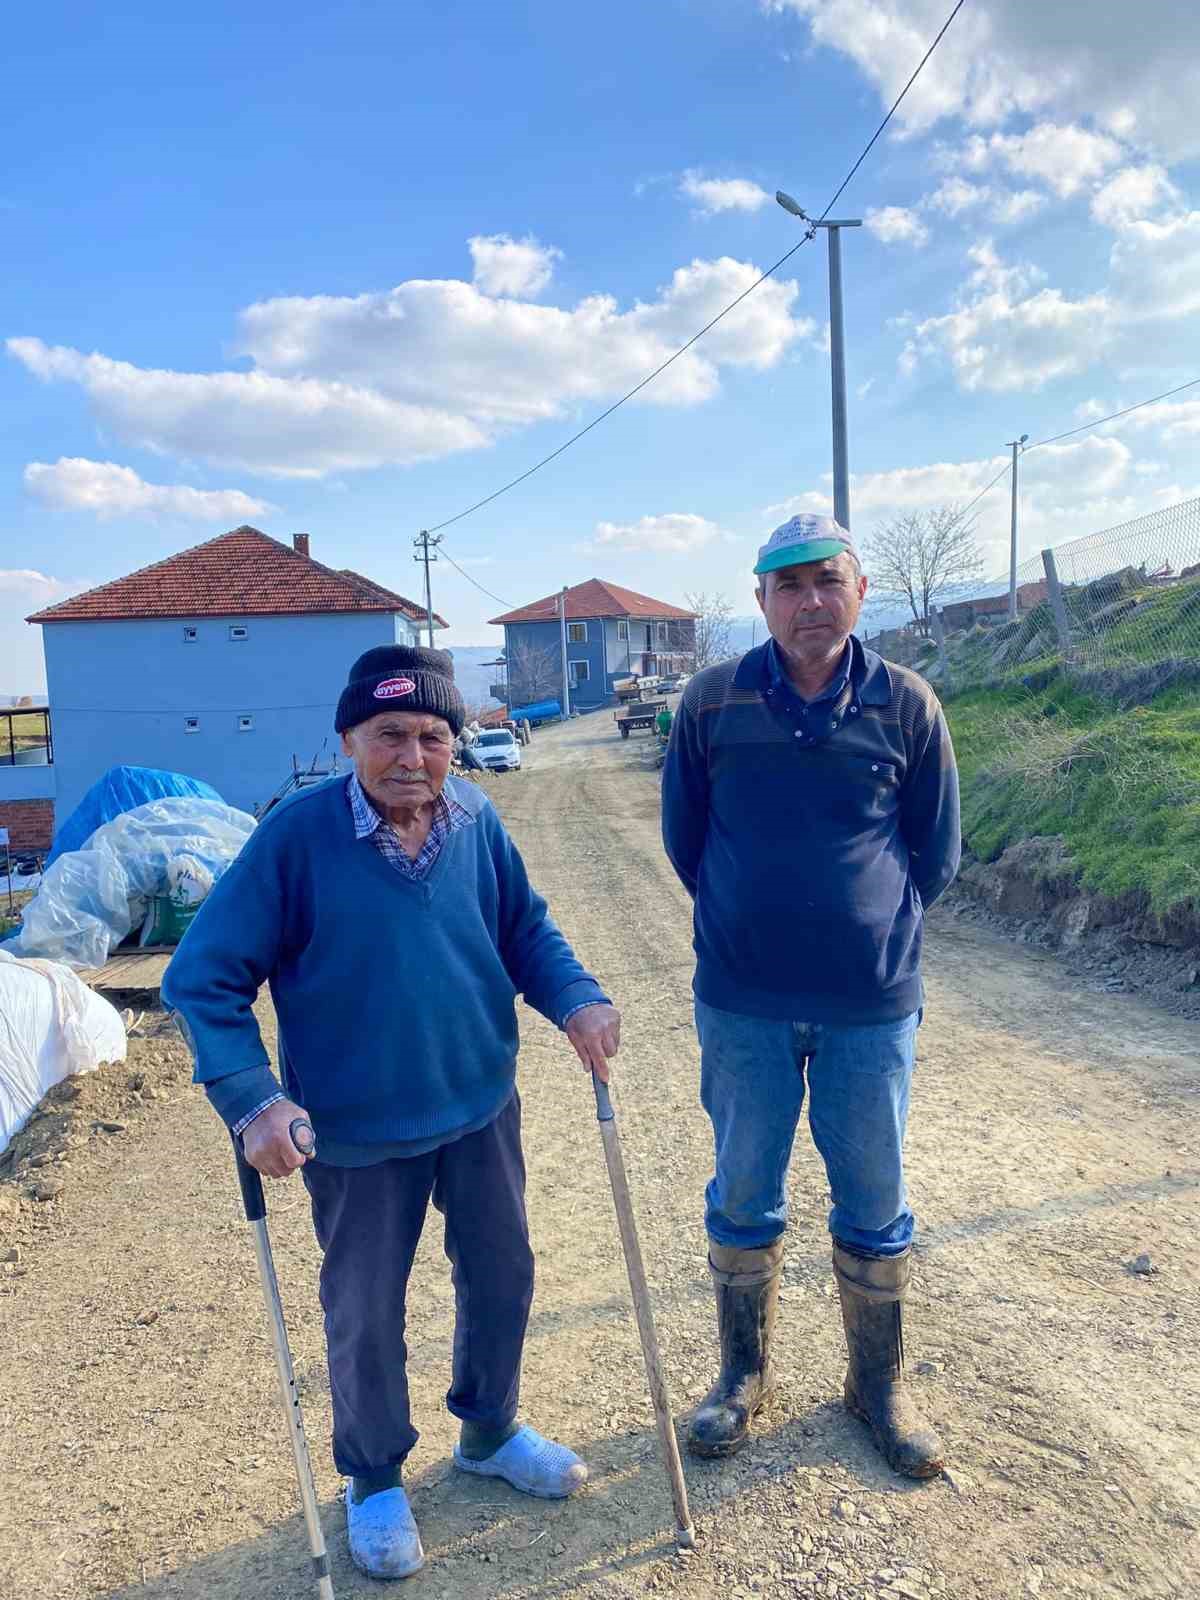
674 533
722 194
427 368
1132 194
1067 491
956 195
76 484
252 421
1066 158
895 225
1015 205
505 266
1133 71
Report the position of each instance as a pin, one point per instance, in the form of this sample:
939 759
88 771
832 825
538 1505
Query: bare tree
714 623
916 558
534 673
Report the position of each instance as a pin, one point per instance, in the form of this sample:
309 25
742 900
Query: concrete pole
562 631
1057 604
424 544
837 358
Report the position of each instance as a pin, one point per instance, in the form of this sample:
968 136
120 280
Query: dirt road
1053 1140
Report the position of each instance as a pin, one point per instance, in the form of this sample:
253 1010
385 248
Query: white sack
51 1026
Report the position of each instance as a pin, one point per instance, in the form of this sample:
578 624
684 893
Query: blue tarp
122 789
542 711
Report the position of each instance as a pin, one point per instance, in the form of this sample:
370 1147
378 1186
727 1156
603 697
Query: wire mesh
1128 598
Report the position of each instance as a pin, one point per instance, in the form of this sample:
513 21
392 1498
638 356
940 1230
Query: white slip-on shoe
384 1542
531 1464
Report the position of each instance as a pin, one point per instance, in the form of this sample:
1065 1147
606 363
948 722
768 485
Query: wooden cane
668 1445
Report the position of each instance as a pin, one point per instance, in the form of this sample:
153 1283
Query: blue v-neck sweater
395 998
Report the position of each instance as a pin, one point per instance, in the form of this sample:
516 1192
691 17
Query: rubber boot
747 1289
872 1291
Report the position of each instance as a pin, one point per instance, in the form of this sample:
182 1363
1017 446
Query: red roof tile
237 574
595 599
410 607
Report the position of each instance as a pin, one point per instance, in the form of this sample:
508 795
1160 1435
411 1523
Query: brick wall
30 823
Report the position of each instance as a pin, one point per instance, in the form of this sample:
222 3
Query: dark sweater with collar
394 995
811 837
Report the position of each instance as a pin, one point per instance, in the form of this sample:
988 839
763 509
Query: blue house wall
545 640
121 691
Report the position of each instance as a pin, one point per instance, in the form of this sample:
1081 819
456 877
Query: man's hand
267 1142
595 1031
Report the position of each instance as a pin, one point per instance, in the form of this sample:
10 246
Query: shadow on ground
482 1538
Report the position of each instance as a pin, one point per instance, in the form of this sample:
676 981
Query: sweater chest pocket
862 788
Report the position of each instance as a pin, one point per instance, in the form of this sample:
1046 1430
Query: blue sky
346 271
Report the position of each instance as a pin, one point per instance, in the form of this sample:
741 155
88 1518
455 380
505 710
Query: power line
470 579
1003 473
708 326
895 107
1084 427
1154 399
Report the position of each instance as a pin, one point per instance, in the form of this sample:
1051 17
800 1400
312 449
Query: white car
498 750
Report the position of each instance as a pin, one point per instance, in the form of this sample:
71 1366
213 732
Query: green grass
1122 787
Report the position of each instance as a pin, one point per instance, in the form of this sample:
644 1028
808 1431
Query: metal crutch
668 1445
255 1205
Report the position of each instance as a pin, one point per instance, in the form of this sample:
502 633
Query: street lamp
837 351
1016 446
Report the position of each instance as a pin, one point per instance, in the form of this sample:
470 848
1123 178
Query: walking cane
255 1206
668 1445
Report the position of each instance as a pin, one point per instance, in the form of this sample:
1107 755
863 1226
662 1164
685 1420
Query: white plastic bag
89 899
51 1026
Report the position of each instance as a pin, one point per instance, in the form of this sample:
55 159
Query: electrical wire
470 579
1084 427
708 326
895 107
1154 399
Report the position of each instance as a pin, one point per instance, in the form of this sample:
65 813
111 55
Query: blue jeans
752 1086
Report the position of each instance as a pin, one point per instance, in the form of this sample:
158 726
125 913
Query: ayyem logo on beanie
393 688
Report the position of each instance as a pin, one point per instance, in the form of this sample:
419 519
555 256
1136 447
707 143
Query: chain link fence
1122 605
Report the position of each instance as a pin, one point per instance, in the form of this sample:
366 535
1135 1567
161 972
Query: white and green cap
804 538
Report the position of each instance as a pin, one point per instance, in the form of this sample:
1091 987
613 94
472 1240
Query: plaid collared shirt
448 817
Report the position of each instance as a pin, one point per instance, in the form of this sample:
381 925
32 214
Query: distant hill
472 677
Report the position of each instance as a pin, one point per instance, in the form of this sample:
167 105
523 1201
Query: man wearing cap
392 917
810 807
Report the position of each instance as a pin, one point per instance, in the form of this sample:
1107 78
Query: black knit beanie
401 677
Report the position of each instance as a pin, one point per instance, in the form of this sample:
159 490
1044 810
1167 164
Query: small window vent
189 635
238 630
191 724
245 724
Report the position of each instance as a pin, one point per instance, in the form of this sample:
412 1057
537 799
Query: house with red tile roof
609 632
224 661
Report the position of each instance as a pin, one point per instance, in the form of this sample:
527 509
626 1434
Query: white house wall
120 692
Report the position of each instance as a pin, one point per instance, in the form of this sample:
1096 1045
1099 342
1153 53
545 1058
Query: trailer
639 715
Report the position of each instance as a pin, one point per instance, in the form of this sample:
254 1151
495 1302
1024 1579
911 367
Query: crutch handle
604 1105
254 1202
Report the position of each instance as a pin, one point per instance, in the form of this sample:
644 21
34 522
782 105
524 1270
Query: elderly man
392 917
810 806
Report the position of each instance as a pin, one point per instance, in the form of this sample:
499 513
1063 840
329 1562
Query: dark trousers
368 1221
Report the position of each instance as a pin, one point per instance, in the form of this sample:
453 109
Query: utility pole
1015 446
425 544
837 352
562 631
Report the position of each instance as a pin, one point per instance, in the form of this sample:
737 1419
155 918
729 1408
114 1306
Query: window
501 737
245 724
189 635
576 632
238 630
663 633
191 724
622 633
579 670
